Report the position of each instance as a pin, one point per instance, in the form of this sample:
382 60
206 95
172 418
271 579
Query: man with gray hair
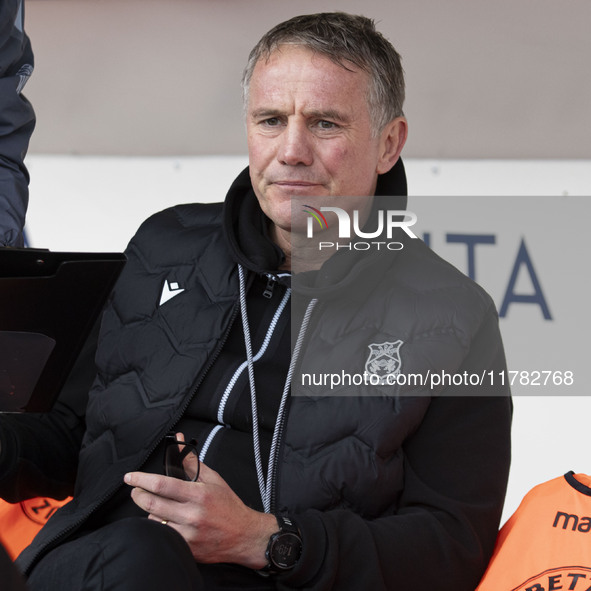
376 483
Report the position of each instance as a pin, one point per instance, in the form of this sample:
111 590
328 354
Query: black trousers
135 554
10 578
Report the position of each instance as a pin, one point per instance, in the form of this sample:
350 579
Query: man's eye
326 124
272 121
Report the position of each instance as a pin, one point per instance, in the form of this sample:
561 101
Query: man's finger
209 476
162 486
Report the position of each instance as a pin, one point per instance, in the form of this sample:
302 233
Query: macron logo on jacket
169 290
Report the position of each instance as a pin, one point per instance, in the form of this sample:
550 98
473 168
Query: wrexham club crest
384 359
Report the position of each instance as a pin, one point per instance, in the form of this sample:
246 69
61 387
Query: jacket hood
246 228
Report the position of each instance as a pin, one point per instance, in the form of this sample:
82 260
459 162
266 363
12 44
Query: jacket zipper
268 292
275 466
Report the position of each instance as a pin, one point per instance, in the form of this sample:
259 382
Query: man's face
309 134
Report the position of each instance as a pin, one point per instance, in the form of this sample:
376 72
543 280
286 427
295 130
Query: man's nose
295 145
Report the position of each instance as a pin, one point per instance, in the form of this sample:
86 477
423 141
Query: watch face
285 550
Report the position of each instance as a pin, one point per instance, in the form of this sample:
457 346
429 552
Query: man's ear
392 140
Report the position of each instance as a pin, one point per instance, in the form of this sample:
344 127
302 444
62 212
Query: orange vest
546 544
19 522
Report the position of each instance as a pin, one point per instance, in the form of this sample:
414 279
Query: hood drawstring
265 484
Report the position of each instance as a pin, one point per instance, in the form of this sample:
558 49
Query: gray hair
342 38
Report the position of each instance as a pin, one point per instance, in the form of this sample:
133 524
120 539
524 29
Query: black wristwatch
284 548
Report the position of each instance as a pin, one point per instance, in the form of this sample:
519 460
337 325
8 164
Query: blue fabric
17 121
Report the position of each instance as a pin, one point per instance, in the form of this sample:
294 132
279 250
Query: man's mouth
299 187
296 183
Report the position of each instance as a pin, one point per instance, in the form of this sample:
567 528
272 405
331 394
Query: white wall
485 79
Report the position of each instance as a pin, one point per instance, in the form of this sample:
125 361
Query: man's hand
215 523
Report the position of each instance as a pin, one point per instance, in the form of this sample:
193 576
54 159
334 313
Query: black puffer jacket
392 487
